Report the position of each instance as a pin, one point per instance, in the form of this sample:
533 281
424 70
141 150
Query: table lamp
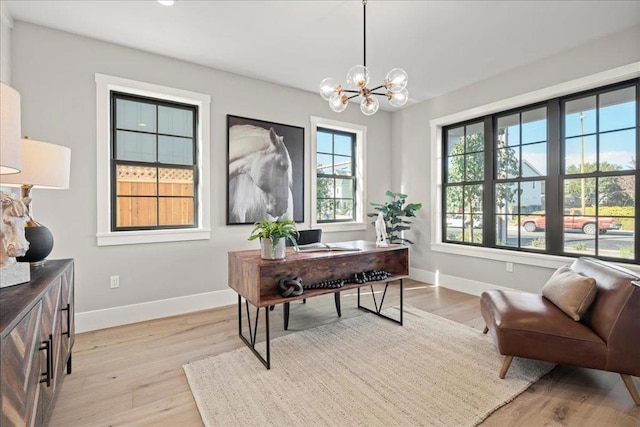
44 165
10 146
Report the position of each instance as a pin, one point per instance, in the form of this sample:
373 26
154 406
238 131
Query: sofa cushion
570 291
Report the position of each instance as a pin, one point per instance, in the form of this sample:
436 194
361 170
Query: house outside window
556 177
338 179
153 172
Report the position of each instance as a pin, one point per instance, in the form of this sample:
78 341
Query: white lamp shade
44 165
10 146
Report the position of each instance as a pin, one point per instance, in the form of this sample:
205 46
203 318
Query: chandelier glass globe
358 77
396 80
369 105
328 88
338 103
398 99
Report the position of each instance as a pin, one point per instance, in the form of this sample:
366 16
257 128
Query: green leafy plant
538 243
580 246
274 231
395 213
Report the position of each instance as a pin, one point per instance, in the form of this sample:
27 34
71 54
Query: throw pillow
570 291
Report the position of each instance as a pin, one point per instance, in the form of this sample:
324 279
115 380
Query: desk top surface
254 256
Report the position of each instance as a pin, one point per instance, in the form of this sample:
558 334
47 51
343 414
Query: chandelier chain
364 15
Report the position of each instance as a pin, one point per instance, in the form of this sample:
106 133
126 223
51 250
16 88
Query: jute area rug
363 371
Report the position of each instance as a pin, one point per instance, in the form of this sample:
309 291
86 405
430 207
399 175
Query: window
338 185
521 166
335 175
600 165
556 177
464 177
152 164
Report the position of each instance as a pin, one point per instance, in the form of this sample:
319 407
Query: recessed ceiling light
166 2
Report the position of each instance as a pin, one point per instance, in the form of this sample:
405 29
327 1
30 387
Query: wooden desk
256 280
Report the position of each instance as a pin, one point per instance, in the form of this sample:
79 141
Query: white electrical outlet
114 282
510 267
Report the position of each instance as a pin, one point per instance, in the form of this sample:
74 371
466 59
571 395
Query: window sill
526 258
151 236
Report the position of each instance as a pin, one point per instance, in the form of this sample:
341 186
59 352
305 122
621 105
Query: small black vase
40 244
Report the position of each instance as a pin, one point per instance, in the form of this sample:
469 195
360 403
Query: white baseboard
123 315
467 286
126 314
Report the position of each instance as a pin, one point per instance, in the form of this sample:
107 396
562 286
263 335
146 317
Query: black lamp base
40 244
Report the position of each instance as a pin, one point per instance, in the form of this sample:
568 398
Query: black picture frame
243 205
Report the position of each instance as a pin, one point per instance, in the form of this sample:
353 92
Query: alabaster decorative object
381 231
12 240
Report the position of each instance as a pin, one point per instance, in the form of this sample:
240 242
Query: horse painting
260 175
13 215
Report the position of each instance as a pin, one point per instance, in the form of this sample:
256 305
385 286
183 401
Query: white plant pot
267 253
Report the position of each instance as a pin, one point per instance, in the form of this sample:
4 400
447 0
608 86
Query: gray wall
54 73
6 24
412 147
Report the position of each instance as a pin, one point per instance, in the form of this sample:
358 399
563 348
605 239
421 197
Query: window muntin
544 175
154 165
335 176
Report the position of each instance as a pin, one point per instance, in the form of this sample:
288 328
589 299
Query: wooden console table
256 280
36 341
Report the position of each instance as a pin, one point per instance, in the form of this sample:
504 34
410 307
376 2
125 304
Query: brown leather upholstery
607 337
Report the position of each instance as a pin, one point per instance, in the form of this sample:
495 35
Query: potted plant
272 236
394 213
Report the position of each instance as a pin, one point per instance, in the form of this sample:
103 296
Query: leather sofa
607 337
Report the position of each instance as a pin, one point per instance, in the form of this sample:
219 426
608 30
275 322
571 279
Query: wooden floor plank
132 375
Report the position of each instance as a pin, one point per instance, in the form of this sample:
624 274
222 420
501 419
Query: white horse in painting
260 175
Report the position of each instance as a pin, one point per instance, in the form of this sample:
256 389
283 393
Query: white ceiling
443 45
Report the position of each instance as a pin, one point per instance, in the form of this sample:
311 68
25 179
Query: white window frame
105 236
360 175
604 78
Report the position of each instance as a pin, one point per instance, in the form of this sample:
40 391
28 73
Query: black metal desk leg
253 333
401 306
286 315
378 307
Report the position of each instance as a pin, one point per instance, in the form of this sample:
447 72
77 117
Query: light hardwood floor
132 375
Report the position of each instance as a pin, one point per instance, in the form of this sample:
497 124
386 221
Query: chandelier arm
350 91
378 93
377 87
353 96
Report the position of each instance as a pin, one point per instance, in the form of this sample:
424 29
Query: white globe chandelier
395 84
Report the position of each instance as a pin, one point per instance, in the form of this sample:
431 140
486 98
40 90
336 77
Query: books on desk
325 247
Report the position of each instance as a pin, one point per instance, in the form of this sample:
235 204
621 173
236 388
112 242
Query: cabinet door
66 318
20 375
50 331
